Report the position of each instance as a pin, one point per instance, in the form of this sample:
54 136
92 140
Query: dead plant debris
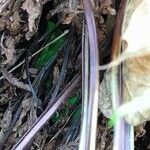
27 28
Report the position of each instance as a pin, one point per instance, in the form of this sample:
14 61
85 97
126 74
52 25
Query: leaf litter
34 9
26 27
20 25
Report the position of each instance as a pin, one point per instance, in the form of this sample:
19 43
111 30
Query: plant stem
89 142
123 132
46 115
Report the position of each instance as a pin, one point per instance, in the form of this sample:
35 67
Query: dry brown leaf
136 71
68 18
9 50
34 9
16 23
136 79
21 130
17 134
26 106
40 140
14 81
4 98
106 8
67 11
5 123
105 104
103 141
21 126
6 93
10 21
60 7
33 72
28 111
104 138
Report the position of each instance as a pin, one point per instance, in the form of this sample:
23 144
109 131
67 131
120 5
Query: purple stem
27 137
123 132
89 142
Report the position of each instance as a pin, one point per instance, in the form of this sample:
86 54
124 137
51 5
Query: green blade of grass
50 50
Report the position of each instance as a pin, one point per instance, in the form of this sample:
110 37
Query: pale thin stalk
50 43
123 132
85 83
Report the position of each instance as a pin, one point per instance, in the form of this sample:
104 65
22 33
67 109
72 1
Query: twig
45 116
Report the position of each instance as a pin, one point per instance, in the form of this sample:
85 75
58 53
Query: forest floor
40 54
